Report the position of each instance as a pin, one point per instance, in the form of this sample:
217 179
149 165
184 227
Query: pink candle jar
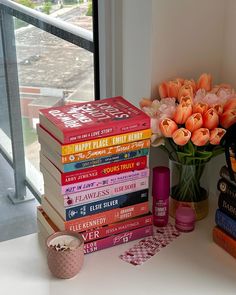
185 219
65 254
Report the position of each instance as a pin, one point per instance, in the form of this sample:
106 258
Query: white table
190 265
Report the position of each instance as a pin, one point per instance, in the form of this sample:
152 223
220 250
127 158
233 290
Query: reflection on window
51 71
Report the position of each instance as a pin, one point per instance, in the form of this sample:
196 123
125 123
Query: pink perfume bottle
160 195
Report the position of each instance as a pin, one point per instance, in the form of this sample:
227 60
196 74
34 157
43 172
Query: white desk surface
190 265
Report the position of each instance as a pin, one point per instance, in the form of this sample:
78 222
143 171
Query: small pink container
65 264
185 219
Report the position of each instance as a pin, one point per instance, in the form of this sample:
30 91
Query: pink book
94 119
117 228
93 172
118 239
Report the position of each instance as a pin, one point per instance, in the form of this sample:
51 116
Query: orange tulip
228 118
200 136
170 88
230 104
182 112
163 89
167 127
185 90
191 83
173 88
205 82
181 136
145 102
210 119
200 108
186 99
180 80
218 108
194 122
216 134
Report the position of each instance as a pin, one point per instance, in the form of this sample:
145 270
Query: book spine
104 160
105 142
118 239
225 187
107 169
104 218
117 228
120 201
105 193
113 130
225 241
224 173
104 181
226 223
227 205
117 149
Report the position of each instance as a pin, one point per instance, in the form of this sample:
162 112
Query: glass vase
189 187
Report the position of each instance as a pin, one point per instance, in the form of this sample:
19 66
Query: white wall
187 38
228 69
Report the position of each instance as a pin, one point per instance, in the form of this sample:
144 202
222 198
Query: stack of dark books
224 233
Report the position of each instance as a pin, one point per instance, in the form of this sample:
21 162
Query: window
49 57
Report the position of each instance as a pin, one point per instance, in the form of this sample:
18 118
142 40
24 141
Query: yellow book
67 149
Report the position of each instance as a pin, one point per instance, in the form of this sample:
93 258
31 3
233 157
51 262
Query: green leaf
203 154
189 148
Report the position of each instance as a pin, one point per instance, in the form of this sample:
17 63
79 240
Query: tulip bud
218 108
228 118
145 102
204 82
163 90
167 127
210 119
185 90
181 136
216 135
200 136
191 83
182 112
194 122
173 88
200 108
230 104
186 100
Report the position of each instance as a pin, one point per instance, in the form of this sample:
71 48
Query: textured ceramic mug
65 264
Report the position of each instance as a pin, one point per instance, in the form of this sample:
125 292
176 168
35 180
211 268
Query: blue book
225 222
106 204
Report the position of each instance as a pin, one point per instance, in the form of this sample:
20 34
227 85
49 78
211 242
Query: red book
95 119
93 172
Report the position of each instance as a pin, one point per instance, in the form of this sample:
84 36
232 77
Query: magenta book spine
118 239
104 181
105 193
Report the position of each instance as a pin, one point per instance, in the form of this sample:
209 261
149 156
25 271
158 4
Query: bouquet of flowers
188 121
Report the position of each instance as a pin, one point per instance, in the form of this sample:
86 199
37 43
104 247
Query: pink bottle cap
185 214
185 219
161 182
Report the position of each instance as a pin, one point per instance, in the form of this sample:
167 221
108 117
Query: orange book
95 220
224 240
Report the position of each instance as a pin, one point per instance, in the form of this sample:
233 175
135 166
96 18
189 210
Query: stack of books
224 233
94 160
